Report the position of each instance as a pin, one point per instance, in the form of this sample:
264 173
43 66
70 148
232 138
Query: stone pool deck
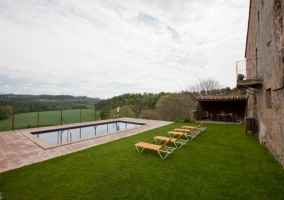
18 150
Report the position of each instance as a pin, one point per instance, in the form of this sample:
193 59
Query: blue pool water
60 136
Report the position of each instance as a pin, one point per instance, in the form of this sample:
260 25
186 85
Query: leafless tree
205 86
194 88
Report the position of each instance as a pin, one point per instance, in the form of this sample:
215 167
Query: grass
47 118
220 163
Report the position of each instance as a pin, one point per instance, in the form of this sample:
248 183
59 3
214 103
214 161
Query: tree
123 112
209 84
238 91
8 111
194 88
137 102
2 112
205 86
175 106
226 91
148 114
5 112
104 112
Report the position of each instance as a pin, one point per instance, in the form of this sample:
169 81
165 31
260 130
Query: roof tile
220 97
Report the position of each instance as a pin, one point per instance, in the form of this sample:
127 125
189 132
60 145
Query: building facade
263 70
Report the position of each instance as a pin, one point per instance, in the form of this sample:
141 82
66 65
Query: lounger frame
161 149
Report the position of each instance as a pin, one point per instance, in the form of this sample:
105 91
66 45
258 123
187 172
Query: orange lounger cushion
149 145
162 150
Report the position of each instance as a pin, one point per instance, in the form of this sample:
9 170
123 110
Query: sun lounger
163 150
199 127
178 142
183 130
189 135
193 131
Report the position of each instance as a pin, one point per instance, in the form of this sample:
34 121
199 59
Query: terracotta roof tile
219 97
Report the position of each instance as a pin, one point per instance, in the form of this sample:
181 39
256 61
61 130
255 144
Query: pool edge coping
18 151
44 145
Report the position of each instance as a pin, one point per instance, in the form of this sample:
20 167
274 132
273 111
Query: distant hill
51 98
31 103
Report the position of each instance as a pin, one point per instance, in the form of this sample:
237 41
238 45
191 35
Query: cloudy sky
105 48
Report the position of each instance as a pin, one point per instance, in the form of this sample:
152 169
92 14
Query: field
48 118
220 163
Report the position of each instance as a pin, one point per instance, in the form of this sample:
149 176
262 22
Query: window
268 98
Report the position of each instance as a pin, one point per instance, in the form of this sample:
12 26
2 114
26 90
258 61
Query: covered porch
221 108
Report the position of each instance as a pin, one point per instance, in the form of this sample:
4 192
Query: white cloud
107 48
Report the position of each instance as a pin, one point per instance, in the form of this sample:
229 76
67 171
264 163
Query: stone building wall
266 39
252 31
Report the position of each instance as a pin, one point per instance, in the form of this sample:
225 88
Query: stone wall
266 39
251 46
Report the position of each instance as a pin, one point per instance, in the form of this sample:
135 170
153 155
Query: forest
10 103
163 105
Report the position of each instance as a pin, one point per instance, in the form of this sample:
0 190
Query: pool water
60 136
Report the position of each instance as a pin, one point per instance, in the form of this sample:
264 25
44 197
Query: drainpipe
246 110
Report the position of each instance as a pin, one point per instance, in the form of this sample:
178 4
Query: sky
105 48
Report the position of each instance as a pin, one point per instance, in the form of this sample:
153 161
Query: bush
148 114
186 120
5 112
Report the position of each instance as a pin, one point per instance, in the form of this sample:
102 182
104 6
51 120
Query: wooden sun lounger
188 127
193 132
176 141
189 135
182 130
199 127
161 149
192 127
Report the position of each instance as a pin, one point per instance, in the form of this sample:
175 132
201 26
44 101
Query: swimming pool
60 136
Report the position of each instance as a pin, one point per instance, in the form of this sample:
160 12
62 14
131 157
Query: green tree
2 112
8 111
137 102
124 111
176 106
226 91
5 112
148 114
105 112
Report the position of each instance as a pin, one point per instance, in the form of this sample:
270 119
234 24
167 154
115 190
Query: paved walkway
17 150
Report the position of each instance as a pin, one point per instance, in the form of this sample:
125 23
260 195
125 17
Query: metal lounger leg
175 143
169 149
158 142
172 135
167 153
190 137
138 149
181 142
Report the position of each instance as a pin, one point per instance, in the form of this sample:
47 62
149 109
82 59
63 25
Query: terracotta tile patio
17 150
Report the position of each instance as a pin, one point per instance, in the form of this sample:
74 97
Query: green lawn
220 163
47 118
